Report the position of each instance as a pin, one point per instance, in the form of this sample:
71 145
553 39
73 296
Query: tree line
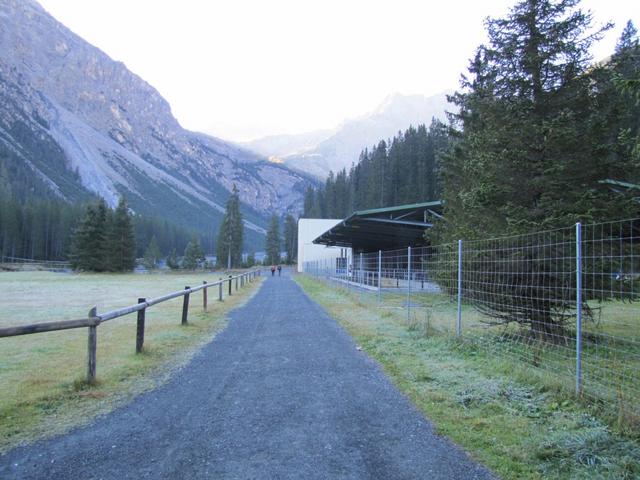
88 236
44 229
399 171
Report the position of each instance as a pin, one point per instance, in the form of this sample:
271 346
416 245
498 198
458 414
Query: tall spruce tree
193 254
152 254
527 158
290 238
121 242
230 234
272 242
309 196
623 72
89 250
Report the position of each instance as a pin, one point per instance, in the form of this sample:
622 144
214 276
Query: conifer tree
89 242
152 254
309 196
525 158
290 238
530 155
231 233
272 244
121 243
172 260
193 254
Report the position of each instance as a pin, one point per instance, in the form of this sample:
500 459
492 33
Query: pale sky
242 69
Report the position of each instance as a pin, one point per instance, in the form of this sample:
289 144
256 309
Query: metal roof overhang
383 228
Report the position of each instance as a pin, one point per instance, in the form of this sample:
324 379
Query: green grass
610 354
518 421
42 375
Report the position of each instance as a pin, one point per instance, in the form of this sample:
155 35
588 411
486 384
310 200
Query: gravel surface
282 393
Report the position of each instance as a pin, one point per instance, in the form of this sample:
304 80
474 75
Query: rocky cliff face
115 133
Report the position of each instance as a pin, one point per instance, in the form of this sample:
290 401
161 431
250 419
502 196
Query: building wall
308 230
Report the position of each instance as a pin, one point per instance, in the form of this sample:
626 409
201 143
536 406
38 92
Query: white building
308 230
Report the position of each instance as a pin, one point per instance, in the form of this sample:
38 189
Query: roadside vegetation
43 375
519 423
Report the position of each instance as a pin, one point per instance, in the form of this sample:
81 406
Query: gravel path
281 393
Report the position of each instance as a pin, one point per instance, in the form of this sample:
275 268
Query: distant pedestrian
273 270
279 270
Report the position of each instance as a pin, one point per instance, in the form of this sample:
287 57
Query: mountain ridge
119 134
341 147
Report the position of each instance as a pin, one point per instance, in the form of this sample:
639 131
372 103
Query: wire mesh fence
562 302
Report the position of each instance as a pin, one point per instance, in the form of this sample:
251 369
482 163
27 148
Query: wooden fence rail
94 319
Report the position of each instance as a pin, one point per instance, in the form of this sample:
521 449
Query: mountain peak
399 104
341 148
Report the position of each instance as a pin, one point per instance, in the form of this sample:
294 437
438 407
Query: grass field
42 375
516 420
610 353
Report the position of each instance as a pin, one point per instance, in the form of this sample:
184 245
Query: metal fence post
229 285
408 283
140 327
379 277
360 283
459 318
578 308
220 290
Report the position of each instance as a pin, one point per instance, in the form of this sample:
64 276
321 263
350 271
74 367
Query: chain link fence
562 302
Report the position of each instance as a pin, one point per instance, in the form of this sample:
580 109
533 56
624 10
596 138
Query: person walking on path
279 270
273 270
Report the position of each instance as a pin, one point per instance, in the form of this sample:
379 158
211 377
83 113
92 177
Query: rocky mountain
85 125
277 147
343 146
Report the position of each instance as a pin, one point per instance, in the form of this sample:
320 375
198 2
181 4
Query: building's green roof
411 206
383 228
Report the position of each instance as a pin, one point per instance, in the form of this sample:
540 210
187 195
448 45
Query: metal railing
562 301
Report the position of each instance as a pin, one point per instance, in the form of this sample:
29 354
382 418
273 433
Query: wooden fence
93 320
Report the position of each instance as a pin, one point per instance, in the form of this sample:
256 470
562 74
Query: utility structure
340 250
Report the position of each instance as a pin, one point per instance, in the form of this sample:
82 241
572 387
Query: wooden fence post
236 284
220 290
229 285
185 307
92 344
204 296
140 327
